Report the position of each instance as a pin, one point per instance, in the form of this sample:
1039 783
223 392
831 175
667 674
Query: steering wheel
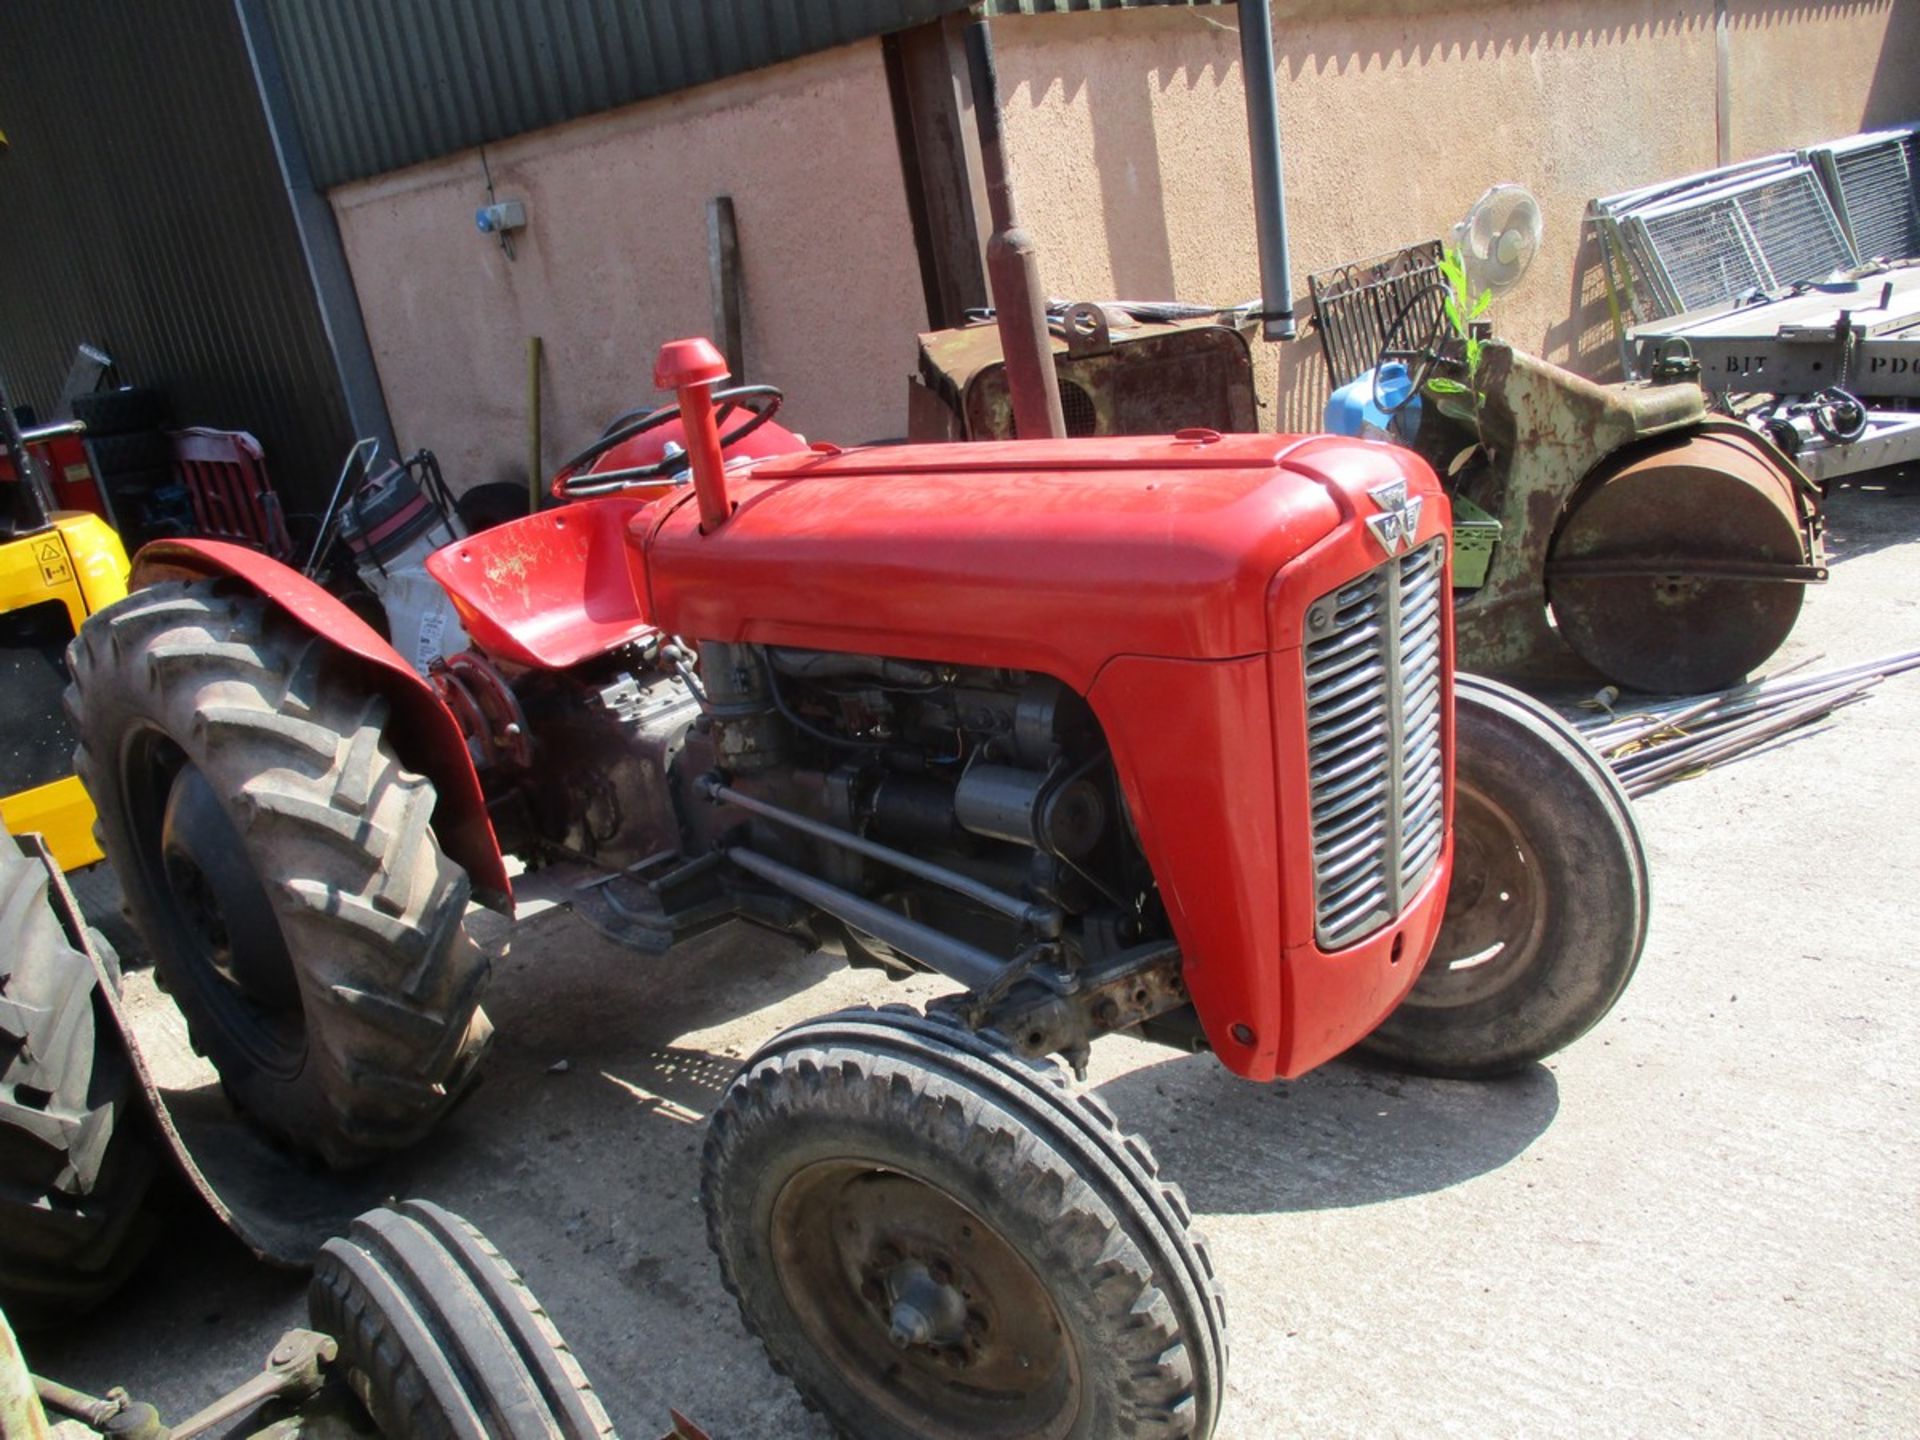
761 402
1420 360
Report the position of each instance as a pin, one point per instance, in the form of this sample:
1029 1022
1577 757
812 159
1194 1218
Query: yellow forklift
56 568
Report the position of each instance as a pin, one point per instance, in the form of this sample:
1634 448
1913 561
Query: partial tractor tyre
138 452
936 1239
281 863
441 1339
1547 913
77 1159
119 412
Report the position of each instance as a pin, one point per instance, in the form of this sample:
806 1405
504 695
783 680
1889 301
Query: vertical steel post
1269 185
26 468
1013 265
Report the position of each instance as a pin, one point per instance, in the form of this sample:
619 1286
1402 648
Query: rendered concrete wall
1130 152
614 261
1128 136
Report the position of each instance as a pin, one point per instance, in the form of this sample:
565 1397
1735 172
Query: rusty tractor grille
1375 765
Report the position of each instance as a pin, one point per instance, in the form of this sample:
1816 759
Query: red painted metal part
691 368
1163 578
1052 555
423 731
554 588
74 484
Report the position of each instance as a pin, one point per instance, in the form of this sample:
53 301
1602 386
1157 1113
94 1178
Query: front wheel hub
922 1305
925 1311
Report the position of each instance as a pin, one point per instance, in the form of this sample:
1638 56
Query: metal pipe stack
1661 741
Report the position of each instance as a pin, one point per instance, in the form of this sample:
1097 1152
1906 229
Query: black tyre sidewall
115 412
446 1332
356 1093
135 453
1580 826
1006 1147
71 1226
767 1169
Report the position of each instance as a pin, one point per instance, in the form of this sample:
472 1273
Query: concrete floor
1704 1218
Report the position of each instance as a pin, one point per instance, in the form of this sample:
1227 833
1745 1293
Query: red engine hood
1053 556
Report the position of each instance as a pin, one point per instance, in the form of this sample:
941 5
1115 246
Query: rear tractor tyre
280 862
1547 912
441 1339
935 1239
77 1161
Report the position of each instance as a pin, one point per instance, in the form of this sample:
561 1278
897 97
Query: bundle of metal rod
1665 740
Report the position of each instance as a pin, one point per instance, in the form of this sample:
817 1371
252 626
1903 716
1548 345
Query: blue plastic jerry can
1351 409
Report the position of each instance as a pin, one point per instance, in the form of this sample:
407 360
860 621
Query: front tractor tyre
1547 911
281 864
441 1339
936 1239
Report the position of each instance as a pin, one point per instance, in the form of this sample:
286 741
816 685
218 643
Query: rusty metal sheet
1143 379
1548 429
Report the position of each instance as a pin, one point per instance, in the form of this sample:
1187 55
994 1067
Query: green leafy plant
1457 399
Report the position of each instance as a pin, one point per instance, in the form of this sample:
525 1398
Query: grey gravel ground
1702 1219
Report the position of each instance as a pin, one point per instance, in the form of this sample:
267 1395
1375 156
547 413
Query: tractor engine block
1002 776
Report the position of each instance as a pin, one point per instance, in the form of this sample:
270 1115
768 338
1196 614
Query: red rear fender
422 730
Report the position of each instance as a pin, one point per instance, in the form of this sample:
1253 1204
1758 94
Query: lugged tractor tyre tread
136 452
77 1160
440 1337
1596 868
117 412
289 736
1118 1236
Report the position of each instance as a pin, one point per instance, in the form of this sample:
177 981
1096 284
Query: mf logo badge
1399 521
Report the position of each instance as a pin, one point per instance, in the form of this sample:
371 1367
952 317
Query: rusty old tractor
1155 735
1614 530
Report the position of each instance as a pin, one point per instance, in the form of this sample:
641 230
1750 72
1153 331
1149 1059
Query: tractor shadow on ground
1871 511
1346 1135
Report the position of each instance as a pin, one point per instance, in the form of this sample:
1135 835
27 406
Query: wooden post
534 478
723 284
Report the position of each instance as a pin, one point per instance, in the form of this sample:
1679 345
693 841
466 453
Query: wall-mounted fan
1499 237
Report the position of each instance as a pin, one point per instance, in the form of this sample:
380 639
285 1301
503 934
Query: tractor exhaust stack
1013 265
691 368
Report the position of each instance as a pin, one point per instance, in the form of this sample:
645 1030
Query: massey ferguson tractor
1153 735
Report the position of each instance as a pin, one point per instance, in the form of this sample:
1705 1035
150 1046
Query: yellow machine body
79 563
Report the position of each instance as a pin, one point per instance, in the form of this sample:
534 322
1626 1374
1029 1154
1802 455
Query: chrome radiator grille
1375 765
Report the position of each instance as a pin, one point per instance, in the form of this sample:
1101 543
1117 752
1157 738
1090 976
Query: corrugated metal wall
381 84
144 211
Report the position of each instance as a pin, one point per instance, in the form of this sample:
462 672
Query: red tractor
1148 734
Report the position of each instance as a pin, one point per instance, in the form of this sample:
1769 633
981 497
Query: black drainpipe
1269 185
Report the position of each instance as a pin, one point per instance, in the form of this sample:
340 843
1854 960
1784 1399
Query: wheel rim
1497 905
922 1307
218 927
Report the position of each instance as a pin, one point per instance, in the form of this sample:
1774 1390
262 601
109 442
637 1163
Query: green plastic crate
1475 533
